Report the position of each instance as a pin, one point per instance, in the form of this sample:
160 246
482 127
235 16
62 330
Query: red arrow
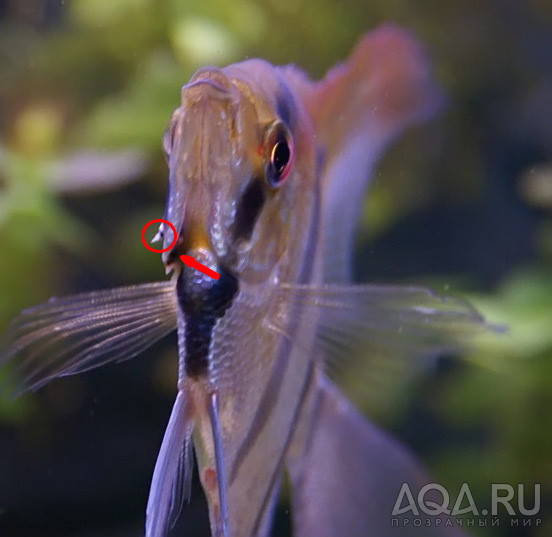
189 261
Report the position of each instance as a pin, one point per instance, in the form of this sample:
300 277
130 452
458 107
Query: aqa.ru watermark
431 507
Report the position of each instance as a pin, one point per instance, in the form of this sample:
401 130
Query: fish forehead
250 86
220 124
237 102
262 85
212 76
206 137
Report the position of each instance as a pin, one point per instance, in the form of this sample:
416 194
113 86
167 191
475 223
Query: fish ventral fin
171 482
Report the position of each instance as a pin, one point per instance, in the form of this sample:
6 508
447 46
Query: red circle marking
153 222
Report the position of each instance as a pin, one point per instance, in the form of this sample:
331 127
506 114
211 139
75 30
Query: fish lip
171 258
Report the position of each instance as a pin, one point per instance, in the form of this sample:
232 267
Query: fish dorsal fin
358 108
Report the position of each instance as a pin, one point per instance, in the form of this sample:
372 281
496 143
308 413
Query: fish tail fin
346 475
173 471
358 109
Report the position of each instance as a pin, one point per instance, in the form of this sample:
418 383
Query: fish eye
279 147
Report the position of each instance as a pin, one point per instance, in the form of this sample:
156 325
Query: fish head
241 172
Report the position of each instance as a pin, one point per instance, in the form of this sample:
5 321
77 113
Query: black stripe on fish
202 301
249 208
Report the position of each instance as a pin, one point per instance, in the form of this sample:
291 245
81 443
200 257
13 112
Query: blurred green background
463 204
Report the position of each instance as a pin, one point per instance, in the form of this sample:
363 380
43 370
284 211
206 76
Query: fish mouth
192 243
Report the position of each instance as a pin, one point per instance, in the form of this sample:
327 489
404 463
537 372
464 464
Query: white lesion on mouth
159 236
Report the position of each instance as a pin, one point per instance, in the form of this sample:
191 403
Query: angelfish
267 171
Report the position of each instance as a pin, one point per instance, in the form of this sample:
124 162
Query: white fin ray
69 335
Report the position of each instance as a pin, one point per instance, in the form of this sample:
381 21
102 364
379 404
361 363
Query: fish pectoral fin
375 337
171 482
346 475
69 335
385 318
